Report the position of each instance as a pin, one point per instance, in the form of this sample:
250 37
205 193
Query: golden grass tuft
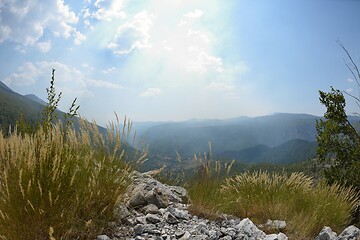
306 207
204 187
53 184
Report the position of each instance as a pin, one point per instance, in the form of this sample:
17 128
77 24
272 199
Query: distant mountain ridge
3 86
36 99
277 138
293 151
13 105
236 134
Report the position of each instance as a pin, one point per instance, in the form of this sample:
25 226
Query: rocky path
157 211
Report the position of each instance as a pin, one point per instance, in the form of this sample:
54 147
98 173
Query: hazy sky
180 59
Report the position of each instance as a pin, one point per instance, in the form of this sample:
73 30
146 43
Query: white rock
276 224
247 227
327 234
350 233
103 237
282 236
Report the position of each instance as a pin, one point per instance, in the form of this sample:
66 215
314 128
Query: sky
173 60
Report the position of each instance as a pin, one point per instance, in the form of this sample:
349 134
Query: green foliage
338 141
49 113
24 127
71 114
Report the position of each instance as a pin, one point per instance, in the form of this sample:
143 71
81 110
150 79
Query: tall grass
62 186
204 187
306 207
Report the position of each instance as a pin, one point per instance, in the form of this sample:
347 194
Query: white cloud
350 80
133 34
26 75
20 49
97 3
44 46
194 14
86 13
181 56
220 86
79 38
67 79
108 10
204 62
26 20
202 36
109 70
102 83
349 90
190 17
87 23
151 92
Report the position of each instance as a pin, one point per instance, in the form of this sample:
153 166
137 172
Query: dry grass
204 187
205 198
306 208
60 186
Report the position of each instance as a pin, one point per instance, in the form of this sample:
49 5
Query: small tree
24 126
338 141
49 114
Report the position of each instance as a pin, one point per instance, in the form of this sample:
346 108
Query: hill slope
12 105
230 135
293 151
36 99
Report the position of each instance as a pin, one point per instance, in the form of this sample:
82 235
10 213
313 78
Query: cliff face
153 210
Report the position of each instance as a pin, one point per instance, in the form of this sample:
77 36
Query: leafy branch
49 113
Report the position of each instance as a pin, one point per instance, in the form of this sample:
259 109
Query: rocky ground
157 211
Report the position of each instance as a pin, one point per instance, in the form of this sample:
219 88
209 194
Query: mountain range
277 138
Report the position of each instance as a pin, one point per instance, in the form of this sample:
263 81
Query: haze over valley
254 66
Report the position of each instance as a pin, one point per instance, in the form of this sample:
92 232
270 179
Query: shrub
63 187
305 207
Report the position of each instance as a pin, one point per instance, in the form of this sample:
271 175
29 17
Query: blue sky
180 59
